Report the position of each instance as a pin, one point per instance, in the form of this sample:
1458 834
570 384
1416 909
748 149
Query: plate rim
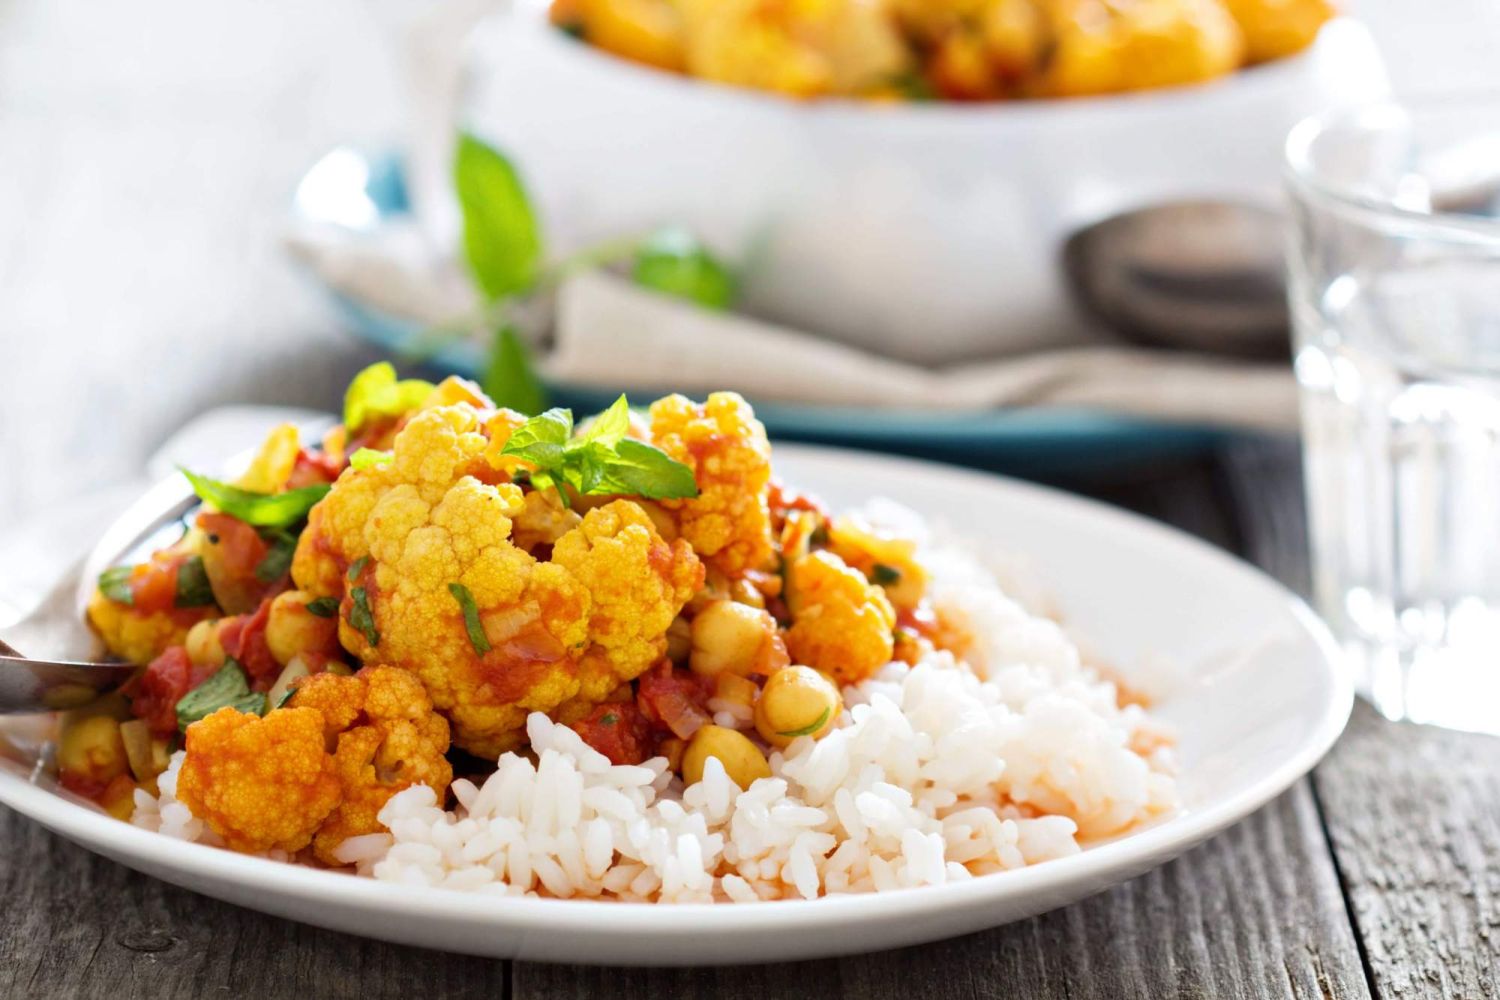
1096 867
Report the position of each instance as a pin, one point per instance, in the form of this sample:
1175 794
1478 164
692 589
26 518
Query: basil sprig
193 590
809 729
376 393
369 458
601 460
226 688
114 583
322 607
277 561
361 617
672 262
259 510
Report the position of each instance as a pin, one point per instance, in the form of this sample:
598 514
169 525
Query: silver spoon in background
1203 276
72 676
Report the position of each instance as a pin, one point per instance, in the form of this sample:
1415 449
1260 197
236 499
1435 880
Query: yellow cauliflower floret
434 535
841 623
273 464
542 520
637 583
260 783
133 635
440 446
1101 48
729 523
386 738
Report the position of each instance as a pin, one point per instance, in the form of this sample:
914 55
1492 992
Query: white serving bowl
927 232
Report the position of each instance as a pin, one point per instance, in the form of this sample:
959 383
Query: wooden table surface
146 154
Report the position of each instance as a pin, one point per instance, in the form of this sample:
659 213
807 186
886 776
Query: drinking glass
1395 290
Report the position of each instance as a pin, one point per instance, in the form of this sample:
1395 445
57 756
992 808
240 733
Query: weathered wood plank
1413 811
1253 913
1414 815
78 925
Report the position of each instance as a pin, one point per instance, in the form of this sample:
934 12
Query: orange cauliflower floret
434 531
260 783
729 523
386 738
637 584
841 623
441 446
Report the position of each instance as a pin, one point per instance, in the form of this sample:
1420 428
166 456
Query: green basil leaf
361 618
808 730
226 686
885 575
114 583
375 393
260 510
542 440
510 378
357 567
253 703
674 263
610 427
643 470
472 625
502 242
369 458
193 590
286 696
323 607
277 561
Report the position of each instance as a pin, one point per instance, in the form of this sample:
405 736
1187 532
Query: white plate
1263 701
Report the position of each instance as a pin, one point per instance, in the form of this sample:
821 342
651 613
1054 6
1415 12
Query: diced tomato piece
158 690
674 699
618 730
153 585
238 546
312 468
244 638
782 498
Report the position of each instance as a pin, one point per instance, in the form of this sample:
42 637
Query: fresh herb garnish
601 460
278 558
376 393
502 242
114 583
674 263
260 510
357 567
510 379
228 687
361 618
808 730
286 696
885 575
369 458
472 625
323 607
193 590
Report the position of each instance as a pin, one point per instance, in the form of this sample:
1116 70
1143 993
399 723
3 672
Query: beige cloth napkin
609 332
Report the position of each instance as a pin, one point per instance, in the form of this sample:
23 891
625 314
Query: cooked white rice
939 771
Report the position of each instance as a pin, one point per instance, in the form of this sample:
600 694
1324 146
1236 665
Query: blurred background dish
926 232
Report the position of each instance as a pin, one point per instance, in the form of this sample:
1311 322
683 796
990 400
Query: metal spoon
75 677
1203 276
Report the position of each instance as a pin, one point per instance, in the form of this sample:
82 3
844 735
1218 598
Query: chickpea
203 645
797 701
292 629
90 748
730 636
742 760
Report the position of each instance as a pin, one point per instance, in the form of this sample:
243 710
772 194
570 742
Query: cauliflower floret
386 738
1102 48
542 520
433 451
260 783
637 584
1277 28
729 523
841 623
132 635
434 529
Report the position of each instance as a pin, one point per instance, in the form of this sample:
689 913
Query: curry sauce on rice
453 645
